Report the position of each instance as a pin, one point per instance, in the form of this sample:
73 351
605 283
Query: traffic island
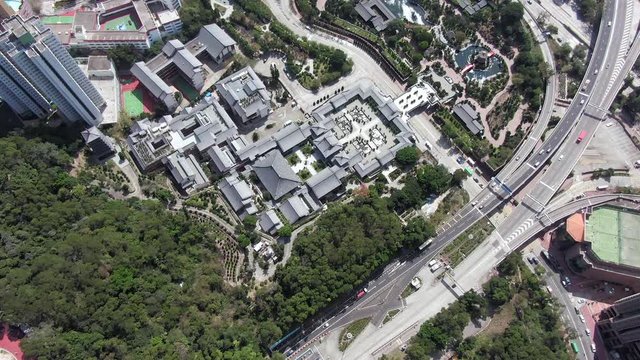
349 333
390 315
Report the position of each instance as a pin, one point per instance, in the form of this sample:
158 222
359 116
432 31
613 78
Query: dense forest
533 333
346 244
89 277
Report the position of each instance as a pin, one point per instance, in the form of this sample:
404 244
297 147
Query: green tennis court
614 235
53 20
133 102
187 90
124 23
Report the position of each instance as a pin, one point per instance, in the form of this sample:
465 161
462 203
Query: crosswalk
625 43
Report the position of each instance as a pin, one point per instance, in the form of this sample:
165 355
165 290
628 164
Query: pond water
465 56
407 9
14 4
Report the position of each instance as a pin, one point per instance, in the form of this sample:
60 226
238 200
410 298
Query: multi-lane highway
585 112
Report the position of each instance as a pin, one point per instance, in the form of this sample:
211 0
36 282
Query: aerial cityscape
320 179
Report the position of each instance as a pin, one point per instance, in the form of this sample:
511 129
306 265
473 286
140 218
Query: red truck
582 135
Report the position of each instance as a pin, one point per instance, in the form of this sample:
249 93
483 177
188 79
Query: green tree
458 177
434 179
285 231
417 231
408 156
498 290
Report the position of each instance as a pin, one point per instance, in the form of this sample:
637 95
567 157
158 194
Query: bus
575 347
425 244
582 135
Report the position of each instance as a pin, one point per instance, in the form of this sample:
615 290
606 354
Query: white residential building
38 76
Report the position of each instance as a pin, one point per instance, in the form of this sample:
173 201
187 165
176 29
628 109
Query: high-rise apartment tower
38 76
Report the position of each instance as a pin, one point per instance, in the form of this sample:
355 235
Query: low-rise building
246 96
270 222
375 12
195 129
91 29
178 59
101 146
166 94
186 172
239 194
276 175
469 117
327 181
298 206
217 42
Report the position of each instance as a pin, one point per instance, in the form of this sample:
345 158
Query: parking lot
610 148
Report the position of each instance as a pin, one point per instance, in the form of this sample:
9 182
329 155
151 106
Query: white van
432 262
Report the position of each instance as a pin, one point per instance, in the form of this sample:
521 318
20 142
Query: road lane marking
550 188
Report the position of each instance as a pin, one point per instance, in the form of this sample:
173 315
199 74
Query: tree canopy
99 278
345 246
408 156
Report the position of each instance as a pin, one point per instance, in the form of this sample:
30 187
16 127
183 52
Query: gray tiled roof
276 175
186 171
375 11
150 80
221 158
245 93
291 136
294 208
327 144
270 222
238 193
326 181
469 117
215 39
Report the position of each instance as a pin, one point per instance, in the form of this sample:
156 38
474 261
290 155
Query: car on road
541 152
536 164
593 348
474 203
581 317
609 124
587 331
561 157
609 24
596 72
